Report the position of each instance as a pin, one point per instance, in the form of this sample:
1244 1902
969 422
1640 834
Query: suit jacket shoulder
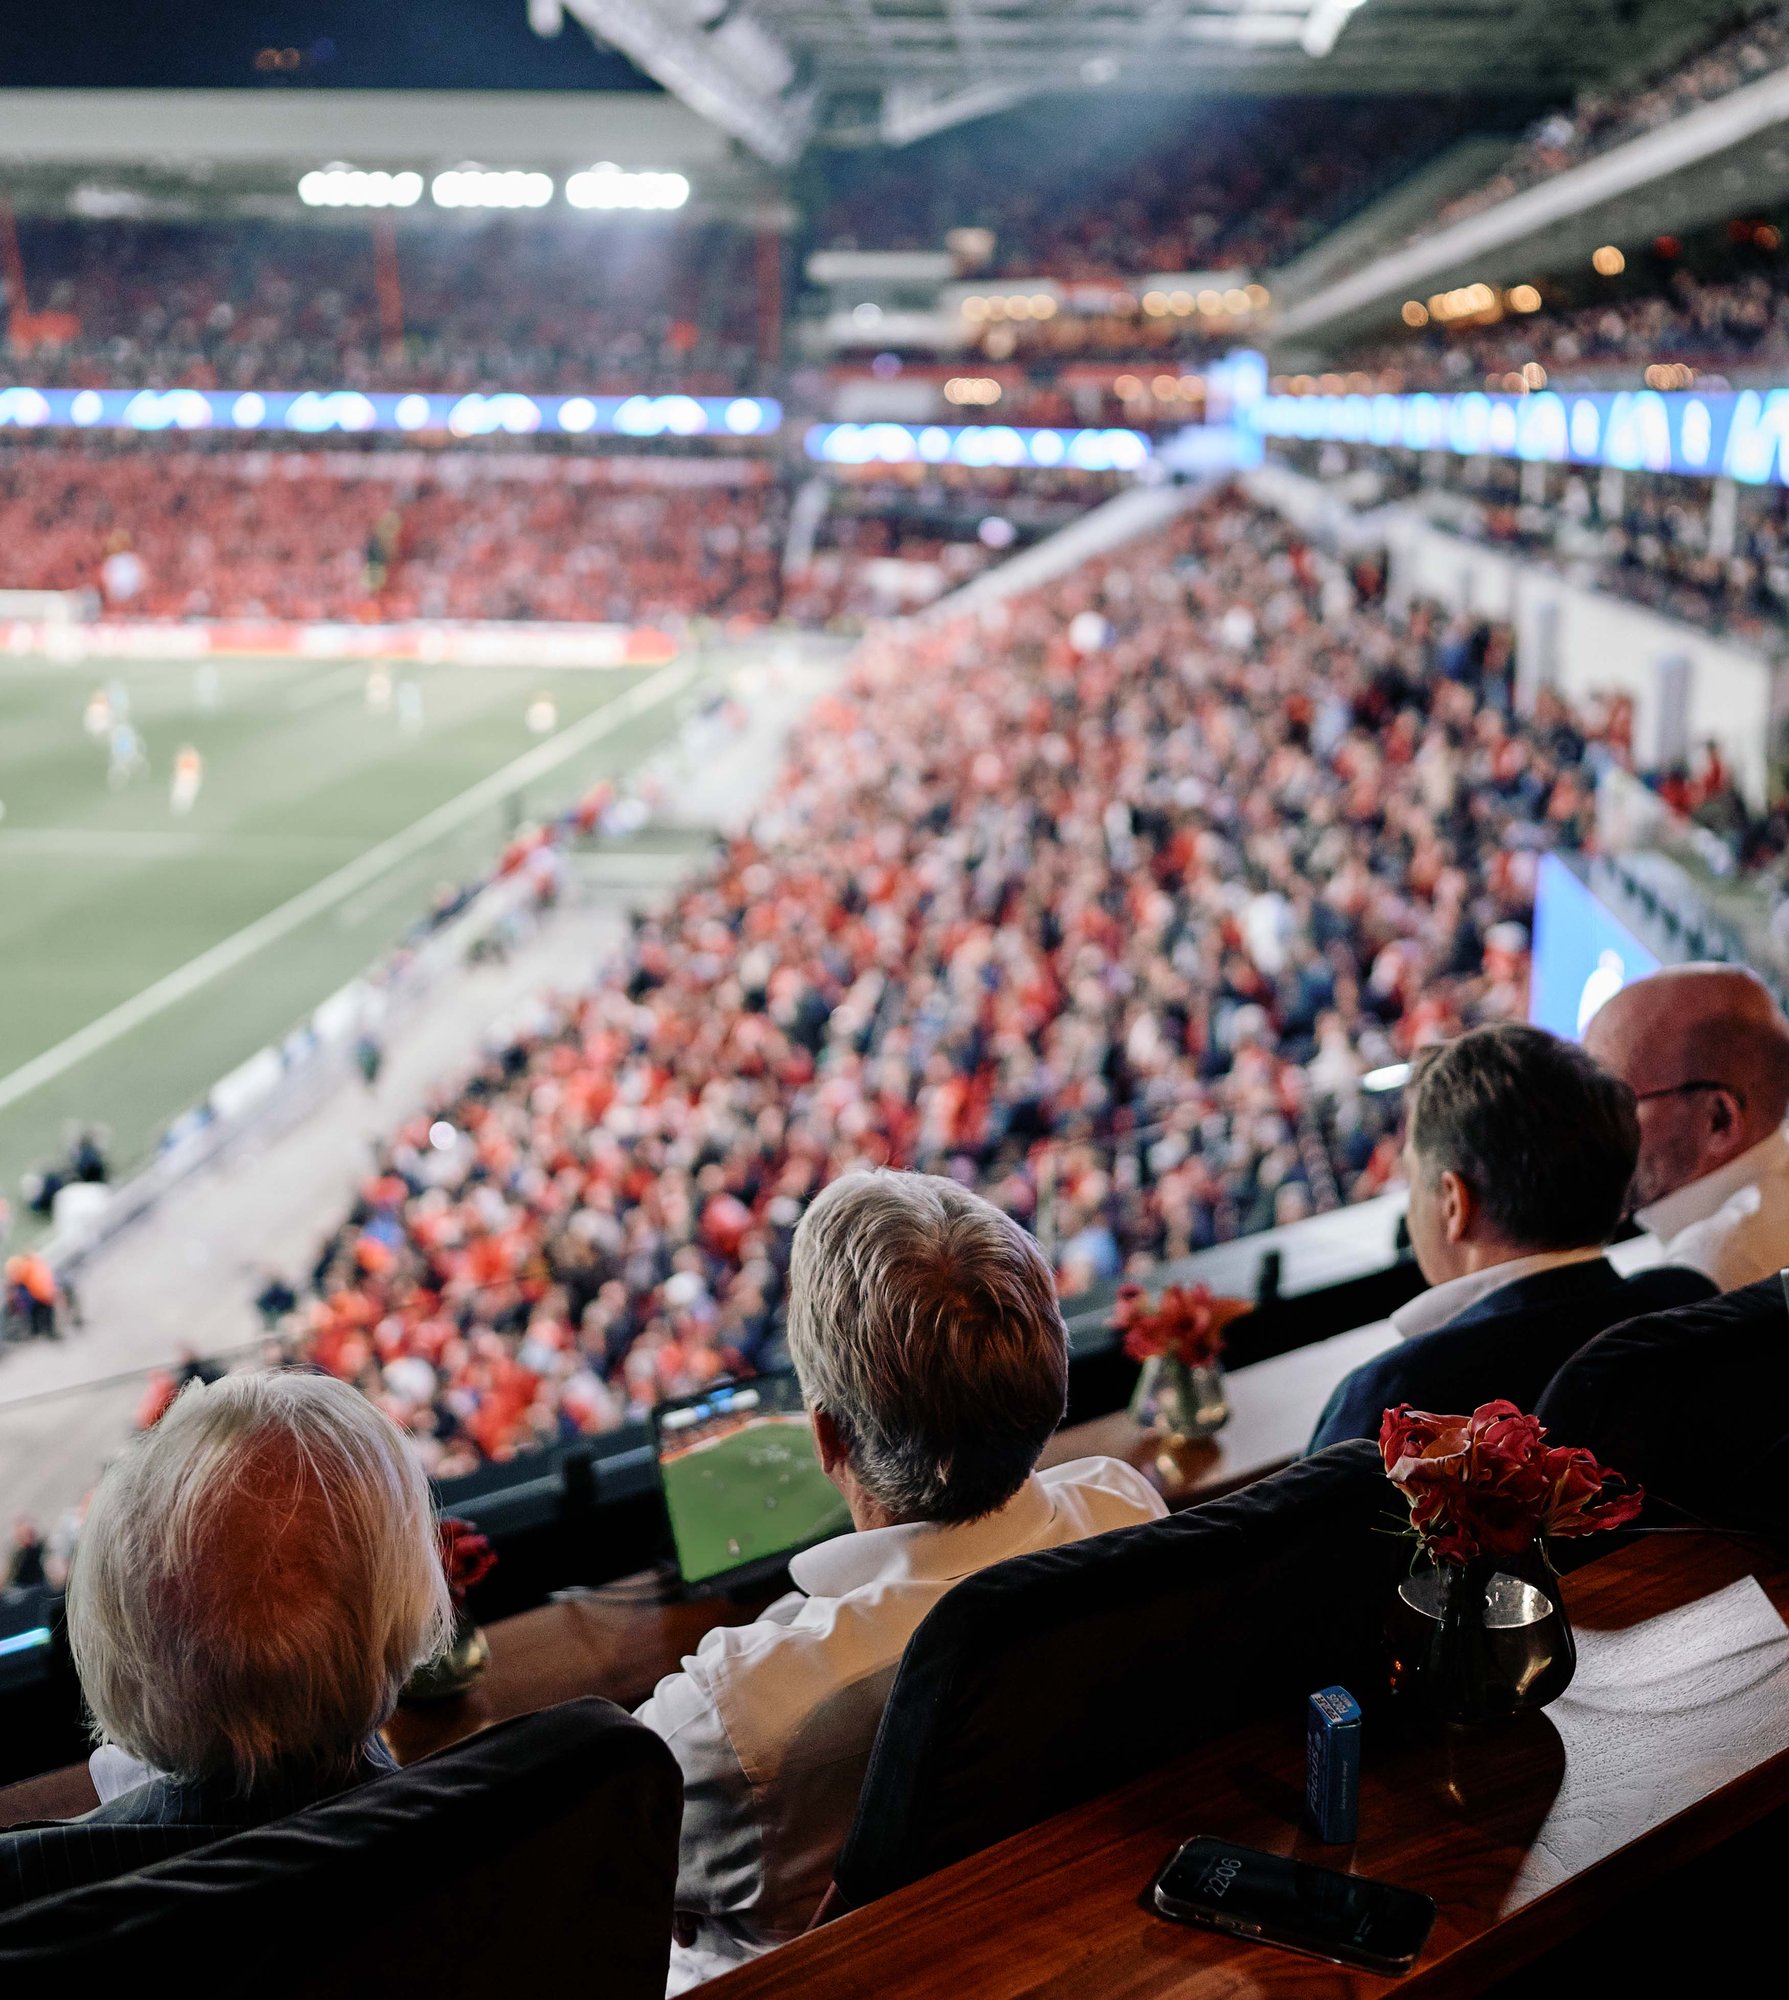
1507 1345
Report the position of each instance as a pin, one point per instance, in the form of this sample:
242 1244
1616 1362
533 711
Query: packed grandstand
799 799
1202 836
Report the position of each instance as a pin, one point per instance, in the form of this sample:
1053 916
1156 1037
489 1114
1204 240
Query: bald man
1705 1050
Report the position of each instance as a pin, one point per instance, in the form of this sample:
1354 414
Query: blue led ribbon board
1742 434
318 412
976 444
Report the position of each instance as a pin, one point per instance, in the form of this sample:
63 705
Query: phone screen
1266 1896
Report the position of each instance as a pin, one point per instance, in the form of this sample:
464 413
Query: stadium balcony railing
1493 244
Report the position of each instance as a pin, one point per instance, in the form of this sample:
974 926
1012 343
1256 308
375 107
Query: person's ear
1458 1207
1724 1114
829 1445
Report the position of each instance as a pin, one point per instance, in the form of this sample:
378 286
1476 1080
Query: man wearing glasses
1705 1050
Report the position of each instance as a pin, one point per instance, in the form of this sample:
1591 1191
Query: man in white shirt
1705 1050
924 1327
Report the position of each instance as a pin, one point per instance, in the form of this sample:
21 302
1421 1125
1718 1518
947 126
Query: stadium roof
769 70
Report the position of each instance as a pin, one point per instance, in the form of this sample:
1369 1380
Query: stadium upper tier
1108 907
1662 314
1729 59
518 303
1237 188
289 536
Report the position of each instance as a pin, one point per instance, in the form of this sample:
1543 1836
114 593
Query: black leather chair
1051 1678
538 1856
1691 1404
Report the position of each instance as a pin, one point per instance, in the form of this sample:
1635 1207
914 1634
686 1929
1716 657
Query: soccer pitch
753 1493
147 952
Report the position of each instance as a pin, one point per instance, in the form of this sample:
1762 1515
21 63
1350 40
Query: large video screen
1583 953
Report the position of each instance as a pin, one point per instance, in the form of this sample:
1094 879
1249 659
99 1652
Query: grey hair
924 1322
255 1580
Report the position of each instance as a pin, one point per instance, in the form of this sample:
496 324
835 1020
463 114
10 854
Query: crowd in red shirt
1104 902
287 535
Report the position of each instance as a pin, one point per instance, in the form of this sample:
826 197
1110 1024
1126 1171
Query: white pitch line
232 951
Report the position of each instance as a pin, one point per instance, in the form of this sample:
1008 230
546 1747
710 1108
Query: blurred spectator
32 1295
25 1565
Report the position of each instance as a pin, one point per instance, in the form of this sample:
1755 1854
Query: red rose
466 1556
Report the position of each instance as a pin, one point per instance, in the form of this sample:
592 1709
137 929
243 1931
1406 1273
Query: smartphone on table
1270 1899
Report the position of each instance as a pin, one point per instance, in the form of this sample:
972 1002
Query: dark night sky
344 44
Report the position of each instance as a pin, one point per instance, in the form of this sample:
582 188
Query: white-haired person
924 1328
255 1580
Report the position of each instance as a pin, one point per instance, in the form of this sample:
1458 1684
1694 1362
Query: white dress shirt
1435 1307
773 1722
1733 1224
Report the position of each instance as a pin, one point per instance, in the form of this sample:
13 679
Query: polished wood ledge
1674 1737
620 1640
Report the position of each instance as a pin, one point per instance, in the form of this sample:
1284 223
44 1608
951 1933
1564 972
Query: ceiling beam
687 61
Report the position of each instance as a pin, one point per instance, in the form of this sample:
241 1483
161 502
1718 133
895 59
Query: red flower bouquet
1490 1485
466 1556
1185 1324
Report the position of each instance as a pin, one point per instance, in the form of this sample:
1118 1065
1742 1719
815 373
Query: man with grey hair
924 1328
255 1580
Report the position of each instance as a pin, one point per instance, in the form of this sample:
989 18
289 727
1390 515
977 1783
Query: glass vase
1180 1400
452 1672
1482 1641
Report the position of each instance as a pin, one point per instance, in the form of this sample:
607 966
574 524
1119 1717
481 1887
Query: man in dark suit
1693 1405
1518 1153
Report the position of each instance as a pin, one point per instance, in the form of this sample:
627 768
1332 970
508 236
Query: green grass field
749 1495
105 893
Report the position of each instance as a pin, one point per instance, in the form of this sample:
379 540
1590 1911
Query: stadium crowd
1702 324
1105 906
302 536
1116 205
509 304
1733 58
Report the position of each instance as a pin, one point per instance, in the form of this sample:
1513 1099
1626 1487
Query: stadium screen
1582 952
742 1485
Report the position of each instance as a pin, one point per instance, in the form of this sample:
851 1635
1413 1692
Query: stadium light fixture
727 74
350 187
608 186
1323 25
480 187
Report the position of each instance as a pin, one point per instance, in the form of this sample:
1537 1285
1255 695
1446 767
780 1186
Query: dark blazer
1694 1405
150 1823
1508 1344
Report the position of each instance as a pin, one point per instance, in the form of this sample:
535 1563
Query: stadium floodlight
608 186
480 187
350 187
1324 23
